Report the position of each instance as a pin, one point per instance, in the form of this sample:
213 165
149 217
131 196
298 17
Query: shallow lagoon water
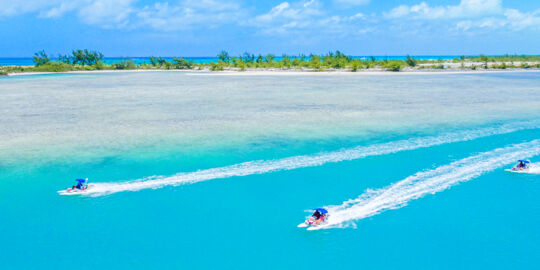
123 127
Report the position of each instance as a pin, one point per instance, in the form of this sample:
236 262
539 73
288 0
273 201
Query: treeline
339 61
94 60
498 58
331 61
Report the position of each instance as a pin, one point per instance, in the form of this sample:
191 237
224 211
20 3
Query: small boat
79 188
522 166
319 217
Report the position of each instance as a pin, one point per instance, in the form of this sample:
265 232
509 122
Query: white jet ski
80 188
318 218
522 166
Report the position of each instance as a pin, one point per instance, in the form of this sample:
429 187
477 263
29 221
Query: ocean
27 61
211 170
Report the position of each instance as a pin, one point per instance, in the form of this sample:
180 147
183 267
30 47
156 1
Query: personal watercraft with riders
80 187
320 215
522 166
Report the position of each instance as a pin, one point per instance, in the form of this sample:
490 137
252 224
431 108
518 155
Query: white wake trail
429 182
534 169
261 167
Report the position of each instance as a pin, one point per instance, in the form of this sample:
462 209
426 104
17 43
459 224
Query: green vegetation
40 58
224 56
124 64
393 65
410 61
432 67
181 63
504 58
84 59
54 67
156 61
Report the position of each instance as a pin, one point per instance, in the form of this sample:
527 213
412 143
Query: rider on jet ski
522 165
319 216
81 184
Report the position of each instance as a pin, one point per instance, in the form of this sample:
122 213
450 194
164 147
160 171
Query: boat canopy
80 180
321 210
524 161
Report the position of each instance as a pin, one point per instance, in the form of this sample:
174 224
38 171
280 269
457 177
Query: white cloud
285 17
465 9
59 9
103 13
518 20
162 16
296 17
512 19
107 14
472 14
305 18
180 14
10 8
287 13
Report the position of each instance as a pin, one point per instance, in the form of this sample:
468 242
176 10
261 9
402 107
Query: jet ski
319 217
80 187
522 166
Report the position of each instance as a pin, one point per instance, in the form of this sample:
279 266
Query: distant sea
27 61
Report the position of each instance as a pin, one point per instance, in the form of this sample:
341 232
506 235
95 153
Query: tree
315 62
259 59
157 61
64 59
78 57
355 65
181 63
161 61
393 65
40 58
483 58
125 64
85 57
269 58
285 61
92 57
410 61
224 56
248 58
153 61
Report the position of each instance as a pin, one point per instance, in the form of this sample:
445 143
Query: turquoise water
204 171
27 61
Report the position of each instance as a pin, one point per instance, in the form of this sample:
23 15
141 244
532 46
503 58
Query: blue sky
205 27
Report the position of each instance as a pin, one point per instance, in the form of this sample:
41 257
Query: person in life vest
319 216
522 165
81 184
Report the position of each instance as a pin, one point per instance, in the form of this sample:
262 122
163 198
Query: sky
123 28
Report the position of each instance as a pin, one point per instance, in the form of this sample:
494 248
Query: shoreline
255 72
